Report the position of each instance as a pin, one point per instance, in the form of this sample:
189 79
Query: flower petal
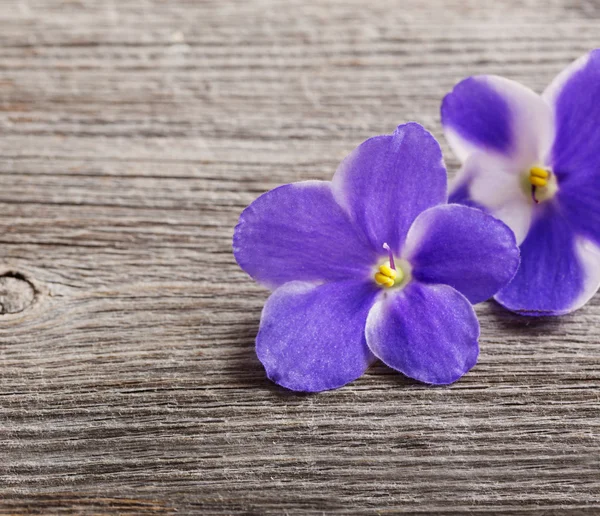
575 157
579 197
559 271
573 96
299 232
427 332
312 337
388 180
493 114
462 247
488 181
475 115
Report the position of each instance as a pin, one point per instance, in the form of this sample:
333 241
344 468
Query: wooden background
133 132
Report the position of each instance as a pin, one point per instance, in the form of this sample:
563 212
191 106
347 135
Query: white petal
494 185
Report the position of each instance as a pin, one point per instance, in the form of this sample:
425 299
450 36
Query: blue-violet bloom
371 265
534 162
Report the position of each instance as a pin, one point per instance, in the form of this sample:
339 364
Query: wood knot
16 293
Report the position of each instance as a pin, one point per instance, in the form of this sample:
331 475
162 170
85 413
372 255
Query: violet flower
372 264
534 162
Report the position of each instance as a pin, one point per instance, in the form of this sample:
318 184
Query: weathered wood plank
133 134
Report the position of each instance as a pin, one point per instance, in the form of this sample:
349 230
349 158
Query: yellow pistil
538 176
388 277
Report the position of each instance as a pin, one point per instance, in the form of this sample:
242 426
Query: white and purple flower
371 265
534 162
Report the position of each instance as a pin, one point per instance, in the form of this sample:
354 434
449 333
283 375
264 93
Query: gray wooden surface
133 132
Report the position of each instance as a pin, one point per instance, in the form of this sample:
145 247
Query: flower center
387 277
543 183
388 274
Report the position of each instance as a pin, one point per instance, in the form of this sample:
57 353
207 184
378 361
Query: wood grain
132 135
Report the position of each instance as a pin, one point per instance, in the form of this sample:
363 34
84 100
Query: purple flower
372 265
534 162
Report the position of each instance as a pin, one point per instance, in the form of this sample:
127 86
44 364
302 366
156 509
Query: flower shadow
241 365
517 324
380 373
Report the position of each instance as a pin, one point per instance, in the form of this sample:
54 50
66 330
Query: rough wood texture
133 134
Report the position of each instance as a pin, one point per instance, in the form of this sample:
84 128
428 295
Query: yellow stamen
386 270
538 176
537 181
539 172
382 279
387 276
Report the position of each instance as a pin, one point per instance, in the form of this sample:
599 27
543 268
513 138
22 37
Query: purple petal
579 197
388 180
476 112
427 332
487 113
312 338
575 95
299 232
462 247
559 271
